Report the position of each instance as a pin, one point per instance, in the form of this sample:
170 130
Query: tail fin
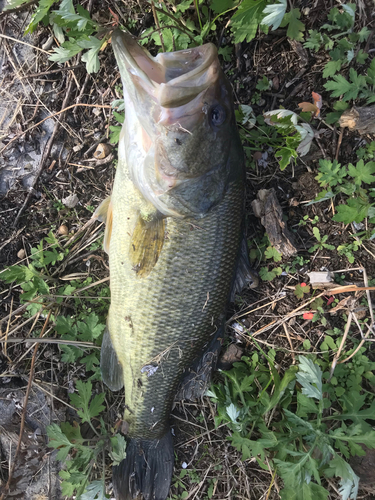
146 470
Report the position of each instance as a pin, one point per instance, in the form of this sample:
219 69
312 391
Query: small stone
21 254
63 230
48 44
70 201
78 147
102 151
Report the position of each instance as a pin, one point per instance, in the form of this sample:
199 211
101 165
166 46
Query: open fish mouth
172 79
178 115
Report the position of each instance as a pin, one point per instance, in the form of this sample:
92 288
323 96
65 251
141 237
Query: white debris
149 369
238 327
70 201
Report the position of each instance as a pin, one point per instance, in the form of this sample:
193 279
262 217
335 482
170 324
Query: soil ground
31 206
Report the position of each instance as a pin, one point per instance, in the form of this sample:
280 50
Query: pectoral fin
104 213
146 244
110 367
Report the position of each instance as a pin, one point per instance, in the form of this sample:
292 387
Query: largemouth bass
173 234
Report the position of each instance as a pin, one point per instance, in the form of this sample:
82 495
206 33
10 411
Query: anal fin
197 378
146 244
244 274
110 367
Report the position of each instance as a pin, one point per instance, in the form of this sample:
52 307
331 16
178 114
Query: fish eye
217 115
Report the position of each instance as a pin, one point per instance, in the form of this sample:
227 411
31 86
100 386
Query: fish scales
176 308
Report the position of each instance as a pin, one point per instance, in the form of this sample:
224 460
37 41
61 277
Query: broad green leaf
338 86
288 377
90 329
39 14
310 491
354 211
114 137
247 447
72 432
70 354
219 6
13 4
310 378
281 118
94 491
15 273
67 488
58 440
81 21
91 361
362 172
305 405
118 452
91 57
267 275
349 482
65 325
300 291
364 34
295 26
294 474
232 412
226 52
81 401
246 20
331 68
361 57
330 173
314 41
120 117
272 253
352 411
96 406
285 155
65 52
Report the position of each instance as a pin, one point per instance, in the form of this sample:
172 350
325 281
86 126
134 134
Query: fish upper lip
163 76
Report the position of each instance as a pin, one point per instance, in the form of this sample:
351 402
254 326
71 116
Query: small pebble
21 254
63 230
102 151
70 201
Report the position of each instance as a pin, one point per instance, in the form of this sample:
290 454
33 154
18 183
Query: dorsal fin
146 244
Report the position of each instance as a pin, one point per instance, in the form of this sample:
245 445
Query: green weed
41 290
79 454
286 421
321 245
352 181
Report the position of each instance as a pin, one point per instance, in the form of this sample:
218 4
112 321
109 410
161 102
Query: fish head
180 125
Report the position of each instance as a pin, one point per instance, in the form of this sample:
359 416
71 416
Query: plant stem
176 20
198 14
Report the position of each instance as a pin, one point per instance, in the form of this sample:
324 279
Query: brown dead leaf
308 106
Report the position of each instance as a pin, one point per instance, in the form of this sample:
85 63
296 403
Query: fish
174 236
